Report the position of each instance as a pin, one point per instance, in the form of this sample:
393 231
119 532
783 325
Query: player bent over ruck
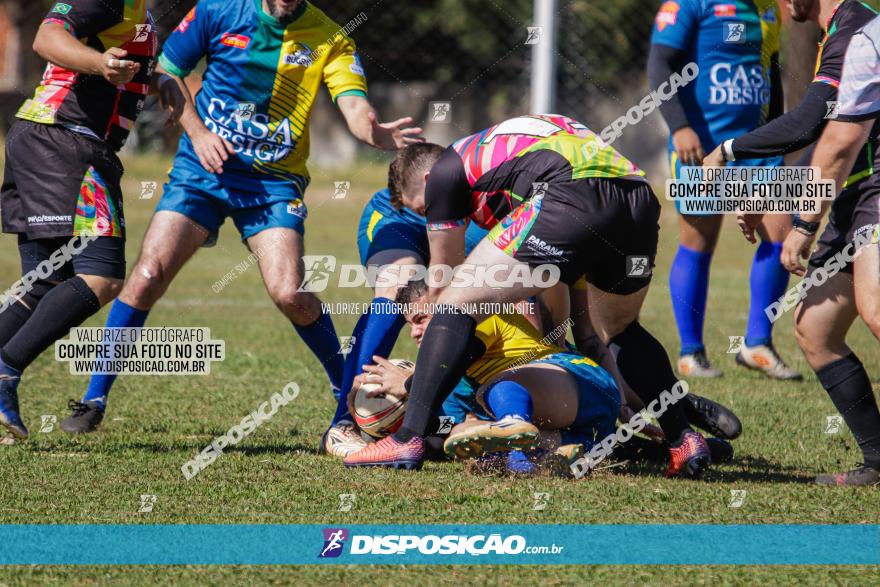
552 194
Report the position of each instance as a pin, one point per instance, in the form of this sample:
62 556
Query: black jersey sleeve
793 130
662 62
447 193
777 92
85 18
803 125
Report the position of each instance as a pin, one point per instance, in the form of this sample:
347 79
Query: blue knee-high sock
121 316
509 398
768 282
320 337
374 334
689 287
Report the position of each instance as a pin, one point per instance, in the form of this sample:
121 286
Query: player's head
413 301
804 10
408 174
283 10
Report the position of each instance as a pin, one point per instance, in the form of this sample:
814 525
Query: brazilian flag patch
61 8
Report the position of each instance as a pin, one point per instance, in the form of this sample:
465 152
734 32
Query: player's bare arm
211 149
57 46
363 122
835 155
171 97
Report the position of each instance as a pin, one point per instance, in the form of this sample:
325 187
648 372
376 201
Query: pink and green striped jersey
488 174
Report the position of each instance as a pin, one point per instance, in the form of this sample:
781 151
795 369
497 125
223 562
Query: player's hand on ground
115 68
687 145
715 158
211 149
171 99
747 224
388 376
797 246
396 134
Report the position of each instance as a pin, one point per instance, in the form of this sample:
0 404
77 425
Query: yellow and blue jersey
511 342
732 42
260 85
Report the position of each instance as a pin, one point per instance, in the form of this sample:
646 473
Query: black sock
848 385
442 361
63 308
18 311
644 365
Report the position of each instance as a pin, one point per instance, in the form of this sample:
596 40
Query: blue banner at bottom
440 544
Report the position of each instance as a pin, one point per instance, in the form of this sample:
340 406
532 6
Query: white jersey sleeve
859 94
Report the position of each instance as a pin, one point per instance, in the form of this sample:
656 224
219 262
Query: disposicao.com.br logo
430 544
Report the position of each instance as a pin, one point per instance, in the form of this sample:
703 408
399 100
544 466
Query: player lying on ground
701 412
61 186
553 195
517 384
243 156
739 86
843 288
392 240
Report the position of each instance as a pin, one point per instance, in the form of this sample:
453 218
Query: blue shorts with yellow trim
384 228
201 197
598 398
675 166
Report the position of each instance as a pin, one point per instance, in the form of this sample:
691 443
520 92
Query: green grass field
155 424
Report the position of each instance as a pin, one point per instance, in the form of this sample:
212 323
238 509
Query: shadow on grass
187 446
747 468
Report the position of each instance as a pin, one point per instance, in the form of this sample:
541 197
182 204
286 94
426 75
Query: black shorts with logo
604 229
855 211
59 183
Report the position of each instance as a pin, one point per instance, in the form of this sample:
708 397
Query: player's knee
147 283
104 288
290 300
815 345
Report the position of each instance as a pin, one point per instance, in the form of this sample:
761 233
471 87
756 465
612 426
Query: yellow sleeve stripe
374 220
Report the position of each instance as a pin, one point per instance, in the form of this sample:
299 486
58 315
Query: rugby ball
381 415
